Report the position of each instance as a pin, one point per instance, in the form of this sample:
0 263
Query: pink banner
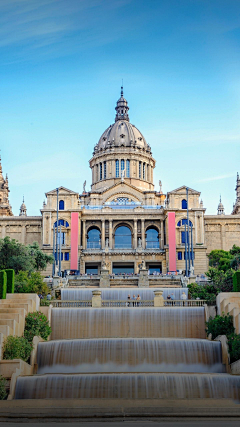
172 241
74 241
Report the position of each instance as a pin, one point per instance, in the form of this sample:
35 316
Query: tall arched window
140 170
123 237
61 205
152 238
184 204
104 170
128 168
117 168
144 170
122 165
100 171
93 239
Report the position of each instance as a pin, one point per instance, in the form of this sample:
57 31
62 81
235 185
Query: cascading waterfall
129 355
85 294
132 322
128 386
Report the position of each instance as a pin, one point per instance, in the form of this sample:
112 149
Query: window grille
128 168
117 168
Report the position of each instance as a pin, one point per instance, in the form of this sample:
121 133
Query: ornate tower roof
220 208
5 207
236 206
23 209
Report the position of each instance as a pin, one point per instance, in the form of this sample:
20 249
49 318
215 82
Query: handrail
127 303
63 303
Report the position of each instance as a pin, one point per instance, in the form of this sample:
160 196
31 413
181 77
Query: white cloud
216 178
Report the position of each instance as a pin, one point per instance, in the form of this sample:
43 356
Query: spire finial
23 199
220 198
122 89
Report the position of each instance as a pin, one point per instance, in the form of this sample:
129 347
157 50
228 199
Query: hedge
236 281
10 281
3 284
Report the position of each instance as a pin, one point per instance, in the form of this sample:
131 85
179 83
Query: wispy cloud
216 178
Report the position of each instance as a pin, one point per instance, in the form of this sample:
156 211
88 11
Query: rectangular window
189 254
100 171
117 168
183 237
128 169
140 170
66 256
122 165
61 238
179 256
144 170
105 170
57 256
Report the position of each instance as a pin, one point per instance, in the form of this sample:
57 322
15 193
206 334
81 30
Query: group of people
172 298
134 301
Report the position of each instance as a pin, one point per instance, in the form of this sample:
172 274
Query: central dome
122 133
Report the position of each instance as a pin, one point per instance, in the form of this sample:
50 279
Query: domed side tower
220 207
23 209
122 151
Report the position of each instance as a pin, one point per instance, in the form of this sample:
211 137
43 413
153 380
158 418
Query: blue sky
61 67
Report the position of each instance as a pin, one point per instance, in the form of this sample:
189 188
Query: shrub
220 325
236 281
10 280
45 302
3 383
3 284
36 324
234 347
16 348
30 283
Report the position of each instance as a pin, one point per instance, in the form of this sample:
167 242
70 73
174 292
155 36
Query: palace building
123 221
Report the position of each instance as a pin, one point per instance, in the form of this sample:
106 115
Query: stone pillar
3 231
103 233
104 278
143 233
84 234
110 235
50 240
135 234
162 236
143 280
96 299
158 299
23 232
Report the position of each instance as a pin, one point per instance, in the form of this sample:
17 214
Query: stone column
96 299
135 234
143 280
84 234
103 233
3 231
143 233
23 232
50 241
110 235
162 236
158 299
104 278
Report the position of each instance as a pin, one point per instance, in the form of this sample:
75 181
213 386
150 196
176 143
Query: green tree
40 259
217 256
26 282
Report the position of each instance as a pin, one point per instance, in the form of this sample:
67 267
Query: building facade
123 221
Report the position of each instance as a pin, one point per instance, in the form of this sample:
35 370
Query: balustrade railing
68 304
128 303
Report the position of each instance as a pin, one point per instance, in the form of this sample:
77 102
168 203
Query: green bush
16 348
26 282
236 281
234 347
3 284
36 324
220 325
45 302
3 383
10 280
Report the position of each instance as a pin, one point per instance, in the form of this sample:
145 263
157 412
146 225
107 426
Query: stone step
6 330
17 302
20 320
12 324
7 305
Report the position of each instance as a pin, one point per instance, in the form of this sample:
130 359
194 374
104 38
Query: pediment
183 189
62 190
122 189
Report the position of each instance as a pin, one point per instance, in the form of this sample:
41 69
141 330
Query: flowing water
129 355
128 386
132 322
84 294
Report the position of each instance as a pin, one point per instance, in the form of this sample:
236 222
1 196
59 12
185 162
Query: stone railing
127 303
184 303
72 304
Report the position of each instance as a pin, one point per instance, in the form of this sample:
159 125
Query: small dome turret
220 207
23 209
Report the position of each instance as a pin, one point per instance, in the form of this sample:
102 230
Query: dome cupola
122 108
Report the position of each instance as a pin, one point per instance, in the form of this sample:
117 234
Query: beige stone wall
222 231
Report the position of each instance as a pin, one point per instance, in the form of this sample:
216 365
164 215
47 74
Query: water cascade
129 355
132 322
85 294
